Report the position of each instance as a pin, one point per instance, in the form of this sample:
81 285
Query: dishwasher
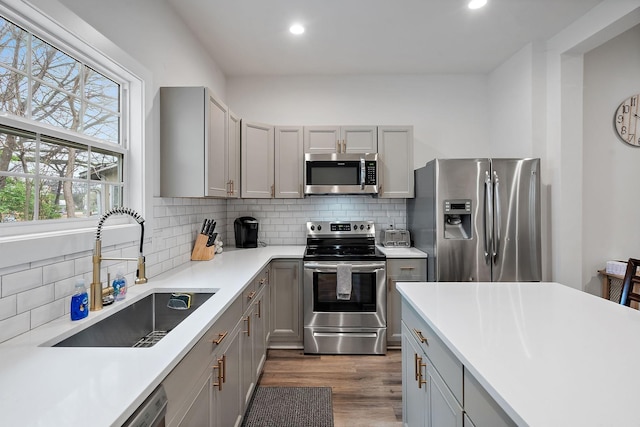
152 411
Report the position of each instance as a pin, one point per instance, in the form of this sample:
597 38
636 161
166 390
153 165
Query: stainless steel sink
141 324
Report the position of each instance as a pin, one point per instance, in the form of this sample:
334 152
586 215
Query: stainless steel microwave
341 173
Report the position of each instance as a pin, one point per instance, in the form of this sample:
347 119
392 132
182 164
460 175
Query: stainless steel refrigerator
478 219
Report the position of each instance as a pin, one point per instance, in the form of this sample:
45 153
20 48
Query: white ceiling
250 37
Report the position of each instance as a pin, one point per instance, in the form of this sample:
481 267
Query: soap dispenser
119 286
79 301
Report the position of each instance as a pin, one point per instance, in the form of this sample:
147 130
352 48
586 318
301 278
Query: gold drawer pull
220 338
407 268
248 331
251 295
219 367
420 336
259 312
421 365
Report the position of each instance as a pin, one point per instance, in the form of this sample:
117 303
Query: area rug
290 407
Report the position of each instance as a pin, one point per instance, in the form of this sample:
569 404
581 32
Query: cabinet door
414 390
444 409
400 270
233 158
286 304
200 412
259 335
183 141
257 160
395 149
359 139
289 154
321 139
247 372
216 166
228 408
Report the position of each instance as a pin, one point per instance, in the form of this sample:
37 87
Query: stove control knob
319 227
368 226
313 227
361 227
355 227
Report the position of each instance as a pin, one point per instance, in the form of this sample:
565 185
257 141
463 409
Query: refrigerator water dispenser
457 219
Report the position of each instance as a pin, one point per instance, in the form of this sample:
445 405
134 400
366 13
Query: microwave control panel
370 173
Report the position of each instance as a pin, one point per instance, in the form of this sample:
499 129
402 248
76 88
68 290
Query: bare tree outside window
42 177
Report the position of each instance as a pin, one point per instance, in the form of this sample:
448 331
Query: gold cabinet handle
248 331
421 337
344 145
407 268
273 190
421 365
218 366
251 295
220 338
233 188
415 364
259 312
224 367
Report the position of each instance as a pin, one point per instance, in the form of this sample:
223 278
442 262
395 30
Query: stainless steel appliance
478 219
341 173
336 322
246 232
152 411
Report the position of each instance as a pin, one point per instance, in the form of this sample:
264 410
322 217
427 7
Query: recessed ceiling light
477 4
296 29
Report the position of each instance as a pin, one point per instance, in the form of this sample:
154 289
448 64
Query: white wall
610 199
566 135
450 113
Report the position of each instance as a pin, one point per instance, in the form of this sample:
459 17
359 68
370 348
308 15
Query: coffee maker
246 232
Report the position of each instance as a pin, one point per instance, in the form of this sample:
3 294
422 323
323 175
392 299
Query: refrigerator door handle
488 218
498 218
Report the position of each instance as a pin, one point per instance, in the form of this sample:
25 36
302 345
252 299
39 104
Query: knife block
202 252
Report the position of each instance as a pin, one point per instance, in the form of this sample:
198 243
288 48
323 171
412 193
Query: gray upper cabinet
289 161
196 154
233 157
257 154
395 155
340 139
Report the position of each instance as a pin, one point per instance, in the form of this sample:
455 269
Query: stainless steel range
345 301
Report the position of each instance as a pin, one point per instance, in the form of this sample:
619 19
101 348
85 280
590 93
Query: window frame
57 25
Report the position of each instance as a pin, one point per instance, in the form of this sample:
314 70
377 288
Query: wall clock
627 121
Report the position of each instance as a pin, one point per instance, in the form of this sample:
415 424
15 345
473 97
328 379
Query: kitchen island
542 354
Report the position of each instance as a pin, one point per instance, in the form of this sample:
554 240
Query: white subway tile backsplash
22 281
35 298
48 312
58 271
36 293
14 326
8 307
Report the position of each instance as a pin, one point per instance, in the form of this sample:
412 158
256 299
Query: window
61 146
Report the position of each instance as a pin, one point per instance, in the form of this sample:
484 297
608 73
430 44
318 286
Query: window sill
41 246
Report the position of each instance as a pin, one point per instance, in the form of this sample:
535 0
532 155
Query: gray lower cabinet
436 388
400 270
214 382
286 304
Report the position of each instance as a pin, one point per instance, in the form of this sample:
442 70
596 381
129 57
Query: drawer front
482 408
225 324
262 280
445 362
249 295
410 269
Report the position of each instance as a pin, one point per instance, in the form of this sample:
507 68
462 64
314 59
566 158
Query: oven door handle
334 267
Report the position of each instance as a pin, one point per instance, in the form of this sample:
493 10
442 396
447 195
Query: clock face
627 121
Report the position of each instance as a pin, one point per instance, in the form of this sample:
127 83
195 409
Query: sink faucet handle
141 274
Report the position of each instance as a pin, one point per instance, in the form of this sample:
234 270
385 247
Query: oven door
367 306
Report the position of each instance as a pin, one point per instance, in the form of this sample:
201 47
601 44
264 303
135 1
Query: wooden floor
366 390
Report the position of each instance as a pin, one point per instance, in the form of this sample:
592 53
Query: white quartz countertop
549 355
55 386
399 252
